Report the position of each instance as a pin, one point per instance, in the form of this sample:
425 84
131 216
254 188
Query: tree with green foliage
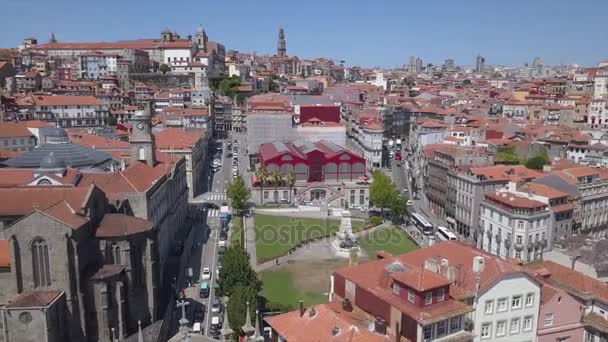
381 190
236 271
262 176
164 68
398 206
238 193
507 155
237 308
229 86
539 160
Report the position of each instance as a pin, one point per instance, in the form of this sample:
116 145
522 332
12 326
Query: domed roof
52 162
395 266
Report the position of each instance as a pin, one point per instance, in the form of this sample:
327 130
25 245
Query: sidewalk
249 227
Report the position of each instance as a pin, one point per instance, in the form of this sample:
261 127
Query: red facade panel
339 285
409 328
323 113
372 304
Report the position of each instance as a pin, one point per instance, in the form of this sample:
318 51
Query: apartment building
446 292
514 226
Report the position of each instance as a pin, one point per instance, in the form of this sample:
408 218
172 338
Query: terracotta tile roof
117 225
143 44
96 141
62 100
63 212
542 190
574 282
581 171
22 201
185 112
7 154
33 299
177 138
138 177
351 326
513 200
420 279
14 130
5 254
505 172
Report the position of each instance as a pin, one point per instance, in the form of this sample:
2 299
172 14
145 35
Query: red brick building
312 162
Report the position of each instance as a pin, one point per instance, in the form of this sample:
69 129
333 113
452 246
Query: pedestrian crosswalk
213 213
217 197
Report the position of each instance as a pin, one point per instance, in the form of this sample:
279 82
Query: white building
64 111
96 65
600 84
507 309
319 130
514 225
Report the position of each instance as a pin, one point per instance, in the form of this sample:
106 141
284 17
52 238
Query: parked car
216 307
206 275
223 235
204 290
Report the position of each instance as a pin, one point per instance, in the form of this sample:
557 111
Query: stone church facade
104 265
83 261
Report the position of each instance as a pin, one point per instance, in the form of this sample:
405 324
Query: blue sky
370 33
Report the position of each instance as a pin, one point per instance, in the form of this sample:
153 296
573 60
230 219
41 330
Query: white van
196 328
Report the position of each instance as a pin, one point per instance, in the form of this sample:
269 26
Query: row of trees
237 278
274 179
240 283
383 194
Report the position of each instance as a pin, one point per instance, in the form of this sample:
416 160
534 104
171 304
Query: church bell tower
142 140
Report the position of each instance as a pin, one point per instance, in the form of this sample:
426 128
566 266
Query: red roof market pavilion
322 161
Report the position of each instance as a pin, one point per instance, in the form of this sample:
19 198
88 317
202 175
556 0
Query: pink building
560 316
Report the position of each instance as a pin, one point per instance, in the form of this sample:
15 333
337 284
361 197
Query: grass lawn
279 289
392 240
276 235
236 230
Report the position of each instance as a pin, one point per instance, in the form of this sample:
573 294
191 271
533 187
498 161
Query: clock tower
142 140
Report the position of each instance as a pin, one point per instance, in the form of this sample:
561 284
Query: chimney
301 303
380 325
573 259
347 305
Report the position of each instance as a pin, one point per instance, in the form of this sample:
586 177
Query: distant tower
537 62
167 35
281 45
411 66
201 39
480 64
141 140
53 39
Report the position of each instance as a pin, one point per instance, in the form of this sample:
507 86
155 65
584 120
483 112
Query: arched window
113 254
141 154
40 263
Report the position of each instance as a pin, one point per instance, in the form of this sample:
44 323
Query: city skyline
361 35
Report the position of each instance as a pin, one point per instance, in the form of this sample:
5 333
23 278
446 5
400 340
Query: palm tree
262 176
291 181
277 179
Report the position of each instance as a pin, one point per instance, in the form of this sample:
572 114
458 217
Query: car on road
216 307
216 326
409 202
197 329
229 155
223 235
206 275
204 290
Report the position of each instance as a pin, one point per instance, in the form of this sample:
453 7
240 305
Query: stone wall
164 80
